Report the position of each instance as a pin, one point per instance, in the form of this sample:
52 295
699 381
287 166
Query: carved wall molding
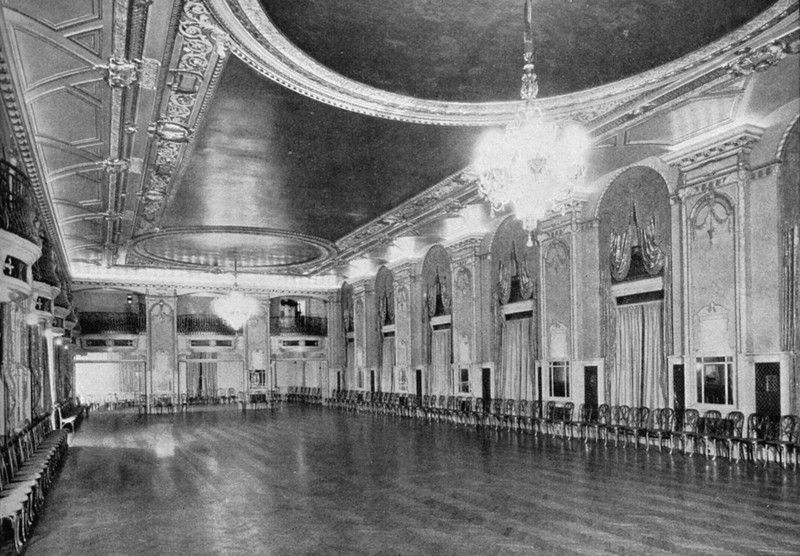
556 254
711 210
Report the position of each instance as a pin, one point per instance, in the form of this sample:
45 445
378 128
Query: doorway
590 387
339 381
486 381
372 381
419 384
678 395
768 390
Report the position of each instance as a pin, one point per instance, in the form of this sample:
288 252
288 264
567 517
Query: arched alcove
635 238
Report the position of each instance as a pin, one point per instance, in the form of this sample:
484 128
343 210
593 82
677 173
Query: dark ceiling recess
471 50
270 158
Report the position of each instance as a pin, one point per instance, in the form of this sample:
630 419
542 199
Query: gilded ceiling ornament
120 73
759 59
116 165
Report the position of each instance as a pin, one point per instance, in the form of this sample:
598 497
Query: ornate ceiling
293 137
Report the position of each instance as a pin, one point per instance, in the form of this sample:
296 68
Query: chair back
508 407
550 410
604 414
666 419
690 418
522 408
567 412
788 424
536 409
736 418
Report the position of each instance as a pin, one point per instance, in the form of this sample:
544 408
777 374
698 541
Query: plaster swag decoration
711 212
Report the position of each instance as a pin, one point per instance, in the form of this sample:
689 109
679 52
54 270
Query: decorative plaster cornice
259 43
692 154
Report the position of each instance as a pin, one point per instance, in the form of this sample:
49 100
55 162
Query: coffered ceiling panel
84 186
60 14
45 59
69 116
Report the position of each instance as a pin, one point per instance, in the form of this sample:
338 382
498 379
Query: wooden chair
637 424
563 418
600 424
782 441
509 416
663 428
618 422
731 436
65 422
523 409
585 416
707 429
688 432
549 416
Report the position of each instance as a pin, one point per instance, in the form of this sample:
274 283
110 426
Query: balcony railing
303 326
203 324
112 323
17 203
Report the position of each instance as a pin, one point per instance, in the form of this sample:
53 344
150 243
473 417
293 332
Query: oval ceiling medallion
251 248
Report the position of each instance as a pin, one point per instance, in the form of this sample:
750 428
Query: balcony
300 326
112 323
204 324
17 203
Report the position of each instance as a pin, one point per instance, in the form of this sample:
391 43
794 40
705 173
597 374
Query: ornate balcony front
298 326
204 324
112 323
17 203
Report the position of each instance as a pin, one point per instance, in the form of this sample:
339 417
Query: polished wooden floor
312 480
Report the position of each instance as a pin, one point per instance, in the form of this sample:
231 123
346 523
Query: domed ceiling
290 136
471 51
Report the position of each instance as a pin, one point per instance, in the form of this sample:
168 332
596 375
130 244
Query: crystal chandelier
526 164
235 308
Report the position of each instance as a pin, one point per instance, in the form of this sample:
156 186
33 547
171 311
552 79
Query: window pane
559 379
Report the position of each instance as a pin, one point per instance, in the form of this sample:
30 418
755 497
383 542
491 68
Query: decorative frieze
202 49
752 60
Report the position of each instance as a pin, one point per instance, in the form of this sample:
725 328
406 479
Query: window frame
553 366
708 365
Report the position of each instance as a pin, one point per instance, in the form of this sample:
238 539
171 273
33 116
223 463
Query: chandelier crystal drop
534 158
235 308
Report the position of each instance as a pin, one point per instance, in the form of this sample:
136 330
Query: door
486 379
338 381
372 381
419 384
768 390
590 386
678 395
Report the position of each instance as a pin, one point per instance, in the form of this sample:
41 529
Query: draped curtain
128 379
387 364
515 380
640 377
201 378
440 363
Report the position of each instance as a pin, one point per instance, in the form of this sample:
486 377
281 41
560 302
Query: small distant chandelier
533 158
235 308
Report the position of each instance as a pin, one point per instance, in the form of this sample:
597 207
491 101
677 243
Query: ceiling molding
255 39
